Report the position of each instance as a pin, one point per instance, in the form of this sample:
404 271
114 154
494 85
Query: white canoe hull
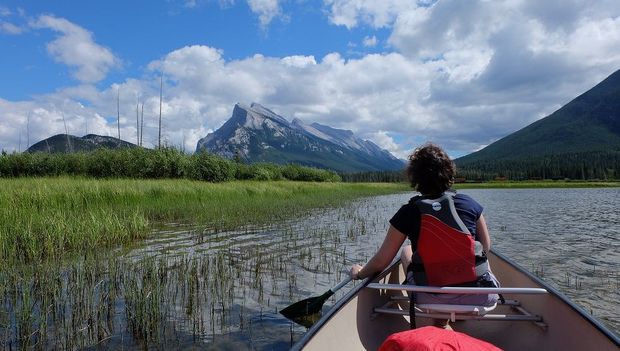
352 325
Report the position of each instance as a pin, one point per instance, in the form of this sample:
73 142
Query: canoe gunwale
339 304
553 291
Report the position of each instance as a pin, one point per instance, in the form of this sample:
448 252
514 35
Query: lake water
223 290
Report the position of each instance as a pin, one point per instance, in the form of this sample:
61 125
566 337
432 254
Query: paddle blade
306 307
307 320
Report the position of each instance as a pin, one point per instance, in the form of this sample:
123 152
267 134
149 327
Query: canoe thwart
505 302
398 306
455 290
487 317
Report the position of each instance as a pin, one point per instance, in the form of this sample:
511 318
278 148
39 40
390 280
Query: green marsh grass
47 217
75 293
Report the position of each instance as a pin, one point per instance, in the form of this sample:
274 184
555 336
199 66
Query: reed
138 297
46 217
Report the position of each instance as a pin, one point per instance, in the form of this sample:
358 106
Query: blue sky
397 72
141 31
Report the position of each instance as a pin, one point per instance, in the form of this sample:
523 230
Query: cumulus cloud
370 41
27 122
266 10
76 48
351 13
462 74
385 141
10 28
7 27
201 88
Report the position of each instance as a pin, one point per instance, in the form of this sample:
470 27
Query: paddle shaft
341 284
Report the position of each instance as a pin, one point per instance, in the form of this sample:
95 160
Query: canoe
528 321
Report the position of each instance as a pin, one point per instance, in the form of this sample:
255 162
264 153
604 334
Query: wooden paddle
311 305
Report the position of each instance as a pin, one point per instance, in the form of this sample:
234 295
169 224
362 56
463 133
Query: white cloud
299 61
7 24
383 140
27 122
351 13
10 28
76 48
4 12
266 10
370 41
461 74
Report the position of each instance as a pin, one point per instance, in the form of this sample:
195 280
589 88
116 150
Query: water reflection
193 287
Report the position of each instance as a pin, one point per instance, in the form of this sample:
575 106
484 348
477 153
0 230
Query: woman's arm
482 233
391 244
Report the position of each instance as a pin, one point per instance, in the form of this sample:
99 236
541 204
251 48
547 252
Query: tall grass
177 289
45 217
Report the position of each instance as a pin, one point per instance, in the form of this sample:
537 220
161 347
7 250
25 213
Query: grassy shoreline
47 217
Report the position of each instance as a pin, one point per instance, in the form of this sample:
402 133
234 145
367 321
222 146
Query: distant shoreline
528 184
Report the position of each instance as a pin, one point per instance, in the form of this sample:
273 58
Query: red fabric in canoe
434 339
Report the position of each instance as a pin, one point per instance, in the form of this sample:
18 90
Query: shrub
295 172
212 168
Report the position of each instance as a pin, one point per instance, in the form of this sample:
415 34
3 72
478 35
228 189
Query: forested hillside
581 140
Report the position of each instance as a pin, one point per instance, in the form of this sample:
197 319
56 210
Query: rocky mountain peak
255 115
260 135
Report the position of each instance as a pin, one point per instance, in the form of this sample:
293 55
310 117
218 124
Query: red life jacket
445 246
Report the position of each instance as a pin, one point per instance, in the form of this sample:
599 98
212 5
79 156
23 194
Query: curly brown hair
430 170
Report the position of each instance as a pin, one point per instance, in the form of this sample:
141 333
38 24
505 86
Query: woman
432 220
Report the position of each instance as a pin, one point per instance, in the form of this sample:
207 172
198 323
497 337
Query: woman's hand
355 271
391 244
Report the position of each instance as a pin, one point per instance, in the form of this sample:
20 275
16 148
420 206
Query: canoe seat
398 303
453 310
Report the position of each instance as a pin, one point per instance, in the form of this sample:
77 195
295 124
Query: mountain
257 134
71 143
580 140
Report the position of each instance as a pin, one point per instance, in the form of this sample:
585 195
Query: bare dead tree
142 124
70 149
161 88
28 131
118 112
137 123
183 143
